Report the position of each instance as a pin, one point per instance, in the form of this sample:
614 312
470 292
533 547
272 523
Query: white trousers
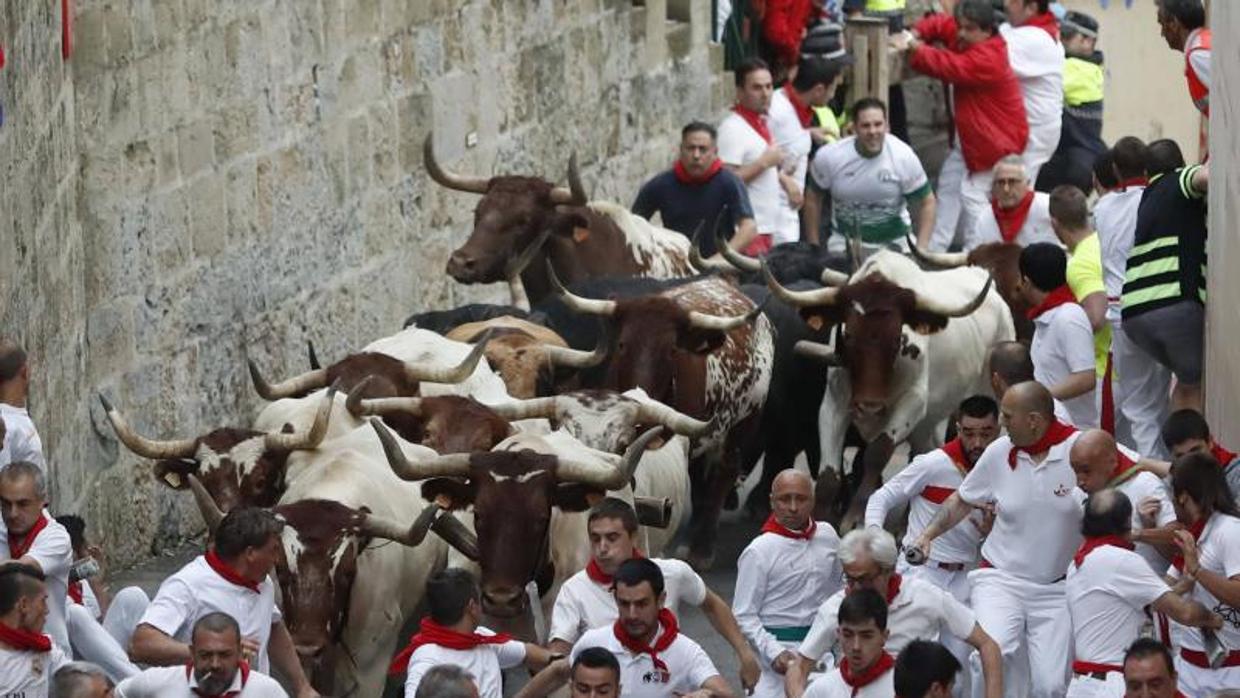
1089 687
1142 393
105 644
961 200
1025 619
1196 682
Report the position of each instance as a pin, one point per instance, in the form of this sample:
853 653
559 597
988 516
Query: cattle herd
627 365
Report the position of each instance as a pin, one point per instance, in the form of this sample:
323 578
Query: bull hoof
701 563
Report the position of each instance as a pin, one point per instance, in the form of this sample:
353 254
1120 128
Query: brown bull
445 423
526 355
1002 260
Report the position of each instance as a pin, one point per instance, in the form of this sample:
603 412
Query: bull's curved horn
960 311
473 185
575 195
699 263
312 355
705 321
575 302
452 374
535 408
279 441
211 513
736 259
817 351
822 296
831 277
375 526
359 407
678 422
937 260
579 358
147 448
453 465
608 478
297 385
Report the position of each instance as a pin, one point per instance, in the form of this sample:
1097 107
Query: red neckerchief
955 451
1054 299
18 547
244 667
1195 530
1056 433
756 121
226 571
75 592
867 677
24 639
432 633
1011 220
1093 542
667 620
893 587
1133 182
804 111
598 576
773 526
1046 22
684 177
1222 455
1125 468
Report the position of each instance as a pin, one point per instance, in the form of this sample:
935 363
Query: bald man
1018 589
783 576
1099 463
1009 363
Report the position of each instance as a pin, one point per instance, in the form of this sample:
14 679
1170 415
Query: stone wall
206 181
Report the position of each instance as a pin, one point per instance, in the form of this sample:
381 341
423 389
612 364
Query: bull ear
820 318
575 497
459 494
567 222
171 472
923 322
700 341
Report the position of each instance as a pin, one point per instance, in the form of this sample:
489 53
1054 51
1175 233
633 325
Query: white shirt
832 686
1063 344
21 439
688 666
1143 486
484 662
197 590
1199 60
1038 521
172 682
1107 596
1037 227
781 582
920 611
794 140
583 604
1218 550
739 144
54 553
1115 219
869 193
931 474
1037 59
25 674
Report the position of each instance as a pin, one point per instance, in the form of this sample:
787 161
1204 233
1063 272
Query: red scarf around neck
228 573
774 526
804 111
1054 299
1222 455
955 451
893 587
19 546
756 121
75 592
867 677
1093 542
1011 220
26 640
432 633
243 667
1195 531
1125 468
1133 182
667 621
684 177
1046 22
1056 433
598 576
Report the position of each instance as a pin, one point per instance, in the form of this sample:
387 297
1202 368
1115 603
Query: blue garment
684 206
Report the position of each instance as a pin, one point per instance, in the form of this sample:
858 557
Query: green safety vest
884 6
1082 82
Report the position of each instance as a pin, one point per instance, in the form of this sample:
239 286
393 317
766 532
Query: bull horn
147 448
577 303
297 385
822 296
817 351
522 260
702 265
453 465
579 358
610 478
211 513
473 185
930 306
374 526
535 408
312 356
705 321
359 407
575 195
279 441
678 422
452 374
831 277
937 260
736 259
457 534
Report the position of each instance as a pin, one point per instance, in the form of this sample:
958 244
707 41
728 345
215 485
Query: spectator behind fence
1080 141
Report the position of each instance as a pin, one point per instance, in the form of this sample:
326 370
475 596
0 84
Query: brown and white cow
1002 260
896 385
526 355
588 239
704 349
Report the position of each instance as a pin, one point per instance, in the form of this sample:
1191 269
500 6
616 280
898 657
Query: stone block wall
210 180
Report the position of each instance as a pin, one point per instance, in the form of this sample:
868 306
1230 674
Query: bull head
447 423
527 364
237 467
1002 260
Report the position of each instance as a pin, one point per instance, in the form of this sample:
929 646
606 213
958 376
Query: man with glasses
1017 213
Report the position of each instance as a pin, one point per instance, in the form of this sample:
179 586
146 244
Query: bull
1002 260
525 355
895 385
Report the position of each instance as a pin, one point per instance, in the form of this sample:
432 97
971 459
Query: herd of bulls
627 365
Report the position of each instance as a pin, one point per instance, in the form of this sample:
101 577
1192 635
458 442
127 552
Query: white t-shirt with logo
870 194
1107 596
688 666
484 662
1218 550
25 674
740 145
583 604
1063 344
54 553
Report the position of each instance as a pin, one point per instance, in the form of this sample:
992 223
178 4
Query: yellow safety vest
828 122
884 6
1082 82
